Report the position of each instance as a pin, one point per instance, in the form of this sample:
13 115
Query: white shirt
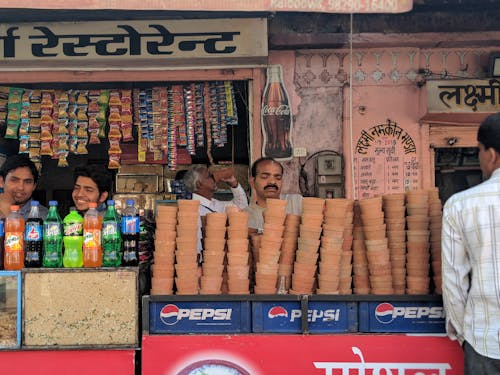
471 266
255 212
213 205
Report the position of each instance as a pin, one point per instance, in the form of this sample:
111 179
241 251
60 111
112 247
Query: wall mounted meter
329 176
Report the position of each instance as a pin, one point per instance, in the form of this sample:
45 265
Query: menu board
385 161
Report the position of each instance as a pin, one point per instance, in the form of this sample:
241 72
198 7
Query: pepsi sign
286 316
199 316
402 317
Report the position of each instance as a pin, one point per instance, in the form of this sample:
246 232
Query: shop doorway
456 169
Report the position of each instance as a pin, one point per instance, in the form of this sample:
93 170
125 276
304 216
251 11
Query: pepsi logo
169 314
384 313
277 311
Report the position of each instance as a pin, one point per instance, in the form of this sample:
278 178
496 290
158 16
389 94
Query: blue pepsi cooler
197 315
402 316
286 316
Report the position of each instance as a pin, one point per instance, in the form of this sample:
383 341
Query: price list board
385 161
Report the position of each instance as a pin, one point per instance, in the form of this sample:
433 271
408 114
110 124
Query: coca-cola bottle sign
276 117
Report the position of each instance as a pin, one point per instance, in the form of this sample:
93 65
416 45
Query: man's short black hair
19 161
489 132
98 173
262 160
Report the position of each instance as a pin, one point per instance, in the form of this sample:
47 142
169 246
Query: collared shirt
255 212
214 205
471 266
25 209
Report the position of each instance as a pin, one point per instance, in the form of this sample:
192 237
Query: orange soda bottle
92 225
14 240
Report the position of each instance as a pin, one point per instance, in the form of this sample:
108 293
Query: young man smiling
18 178
92 183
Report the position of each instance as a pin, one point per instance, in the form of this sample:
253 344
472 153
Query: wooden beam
378 40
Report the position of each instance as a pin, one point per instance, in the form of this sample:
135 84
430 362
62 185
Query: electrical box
329 176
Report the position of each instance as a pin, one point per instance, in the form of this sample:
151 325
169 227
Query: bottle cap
35 203
130 202
52 203
92 205
110 202
14 207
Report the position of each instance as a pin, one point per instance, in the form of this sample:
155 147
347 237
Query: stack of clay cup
345 286
436 219
288 249
214 244
306 257
394 213
377 246
338 212
238 254
361 279
418 242
162 280
186 253
266 268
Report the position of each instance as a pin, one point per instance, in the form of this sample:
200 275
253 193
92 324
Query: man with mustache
266 180
18 178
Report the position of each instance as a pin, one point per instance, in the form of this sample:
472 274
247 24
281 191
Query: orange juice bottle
92 225
14 240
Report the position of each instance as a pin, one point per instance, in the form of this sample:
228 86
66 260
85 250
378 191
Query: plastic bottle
33 237
52 238
14 240
111 239
92 250
73 239
130 234
2 239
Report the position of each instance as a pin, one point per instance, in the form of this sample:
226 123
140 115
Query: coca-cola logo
281 110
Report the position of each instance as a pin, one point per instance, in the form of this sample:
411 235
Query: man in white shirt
266 182
471 260
201 183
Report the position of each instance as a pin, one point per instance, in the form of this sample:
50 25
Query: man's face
267 181
206 184
487 159
86 191
19 185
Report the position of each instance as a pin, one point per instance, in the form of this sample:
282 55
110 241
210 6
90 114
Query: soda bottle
111 239
52 238
33 237
14 240
130 234
92 225
73 239
276 117
2 239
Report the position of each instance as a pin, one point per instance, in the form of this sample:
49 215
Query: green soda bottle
52 238
73 239
111 238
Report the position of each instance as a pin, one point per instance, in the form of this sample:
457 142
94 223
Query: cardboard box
80 307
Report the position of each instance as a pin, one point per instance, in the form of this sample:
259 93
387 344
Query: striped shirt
471 266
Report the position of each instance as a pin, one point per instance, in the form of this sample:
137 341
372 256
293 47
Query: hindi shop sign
340 354
463 96
133 44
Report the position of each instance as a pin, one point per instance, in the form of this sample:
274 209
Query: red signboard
301 354
74 362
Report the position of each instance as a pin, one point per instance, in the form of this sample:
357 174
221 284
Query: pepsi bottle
130 235
33 240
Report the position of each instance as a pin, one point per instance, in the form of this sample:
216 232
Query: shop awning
454 118
321 6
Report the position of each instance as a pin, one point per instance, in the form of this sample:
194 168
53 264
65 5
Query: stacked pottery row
214 243
268 255
238 254
162 280
306 257
186 244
